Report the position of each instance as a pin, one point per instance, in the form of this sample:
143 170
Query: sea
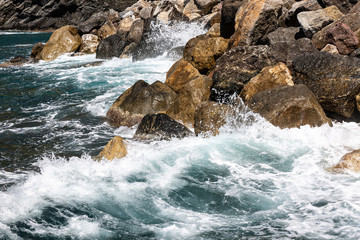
252 181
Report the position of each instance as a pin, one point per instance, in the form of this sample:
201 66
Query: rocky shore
293 62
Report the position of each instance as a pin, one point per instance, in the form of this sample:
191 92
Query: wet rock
142 98
63 40
350 162
313 21
210 117
228 13
330 49
16 61
128 50
111 47
203 51
283 34
191 11
176 53
115 149
343 38
89 43
269 77
36 50
146 12
334 79
160 126
106 30
289 106
255 19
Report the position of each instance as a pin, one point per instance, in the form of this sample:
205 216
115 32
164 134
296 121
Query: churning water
253 181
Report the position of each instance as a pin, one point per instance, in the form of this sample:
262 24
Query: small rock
115 149
330 49
160 127
301 6
191 11
350 161
214 31
36 50
283 35
146 13
89 44
343 38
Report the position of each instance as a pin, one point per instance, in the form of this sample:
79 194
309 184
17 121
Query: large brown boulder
63 40
255 19
142 98
203 51
289 106
115 149
160 127
89 43
350 161
228 13
210 117
334 79
269 77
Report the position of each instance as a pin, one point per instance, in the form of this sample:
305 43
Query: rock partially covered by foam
115 149
350 161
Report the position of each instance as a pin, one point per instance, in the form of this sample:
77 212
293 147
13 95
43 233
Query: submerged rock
160 126
350 161
289 106
114 149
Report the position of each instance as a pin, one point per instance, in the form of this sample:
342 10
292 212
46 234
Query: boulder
283 34
343 38
63 40
160 127
206 5
330 49
255 19
214 31
351 19
203 51
350 161
128 50
191 11
142 98
344 6
125 24
236 67
146 12
298 7
94 22
89 43
269 77
228 13
36 50
115 149
136 31
106 30
16 61
334 79
180 74
313 21
111 47
209 118
289 106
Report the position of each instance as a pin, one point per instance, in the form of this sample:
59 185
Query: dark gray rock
227 22
111 47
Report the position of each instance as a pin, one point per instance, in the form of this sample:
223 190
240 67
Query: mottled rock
94 22
269 77
16 61
63 40
203 51
146 13
36 50
136 31
313 21
334 79
228 13
350 162
283 34
175 53
214 31
301 6
206 5
111 47
89 43
115 149
343 38
289 106
343 5
330 49
128 50
106 30
142 98
160 127
191 11
355 53
125 24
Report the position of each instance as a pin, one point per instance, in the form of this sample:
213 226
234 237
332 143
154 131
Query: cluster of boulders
294 63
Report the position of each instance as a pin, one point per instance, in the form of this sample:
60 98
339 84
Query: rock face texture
115 149
343 38
29 14
228 13
289 106
111 47
334 79
160 126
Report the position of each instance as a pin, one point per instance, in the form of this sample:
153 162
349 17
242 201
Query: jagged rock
269 77
180 74
330 49
283 35
236 67
115 149
214 31
36 50
206 5
351 19
140 99
94 22
228 13
210 117
113 16
160 126
355 53
125 24
344 6
313 21
136 31
343 38
289 106
191 11
350 161
128 50
16 61
301 6
106 30
203 51
111 47
89 43
63 40
255 19
334 79
146 12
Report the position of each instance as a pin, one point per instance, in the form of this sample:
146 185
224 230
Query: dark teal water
250 182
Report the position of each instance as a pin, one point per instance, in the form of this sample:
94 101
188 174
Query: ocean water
253 181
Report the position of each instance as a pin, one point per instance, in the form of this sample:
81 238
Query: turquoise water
252 181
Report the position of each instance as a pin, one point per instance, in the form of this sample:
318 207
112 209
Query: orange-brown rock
269 77
203 51
106 30
63 40
125 24
350 161
115 149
